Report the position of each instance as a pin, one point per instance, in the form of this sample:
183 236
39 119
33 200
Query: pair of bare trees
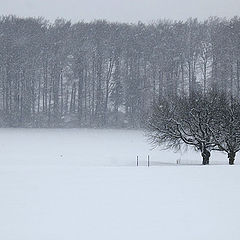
204 121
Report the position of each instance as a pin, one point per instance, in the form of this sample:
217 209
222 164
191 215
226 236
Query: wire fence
147 161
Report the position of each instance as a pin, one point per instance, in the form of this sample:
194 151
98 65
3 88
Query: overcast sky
121 10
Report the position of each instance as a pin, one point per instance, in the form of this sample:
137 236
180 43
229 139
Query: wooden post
137 161
148 161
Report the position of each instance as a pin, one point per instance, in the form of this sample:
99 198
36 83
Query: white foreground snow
46 196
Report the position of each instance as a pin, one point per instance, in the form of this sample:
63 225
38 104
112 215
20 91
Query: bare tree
183 121
226 127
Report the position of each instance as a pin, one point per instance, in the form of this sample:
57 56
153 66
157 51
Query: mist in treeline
103 74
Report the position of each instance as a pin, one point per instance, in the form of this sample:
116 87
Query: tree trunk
182 74
238 78
109 74
231 157
80 94
205 156
204 77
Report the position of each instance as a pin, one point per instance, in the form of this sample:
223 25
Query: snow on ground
46 196
87 147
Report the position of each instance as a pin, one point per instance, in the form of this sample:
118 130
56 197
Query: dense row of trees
103 74
206 122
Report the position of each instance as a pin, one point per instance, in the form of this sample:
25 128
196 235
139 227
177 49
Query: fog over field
89 148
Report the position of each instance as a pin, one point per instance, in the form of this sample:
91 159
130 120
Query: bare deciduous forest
103 74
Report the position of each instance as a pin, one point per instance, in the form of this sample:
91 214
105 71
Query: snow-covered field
87 147
83 184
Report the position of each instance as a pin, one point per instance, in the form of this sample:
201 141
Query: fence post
137 161
148 161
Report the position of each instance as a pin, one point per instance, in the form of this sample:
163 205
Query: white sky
121 10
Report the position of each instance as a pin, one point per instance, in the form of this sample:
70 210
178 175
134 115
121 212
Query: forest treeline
103 74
